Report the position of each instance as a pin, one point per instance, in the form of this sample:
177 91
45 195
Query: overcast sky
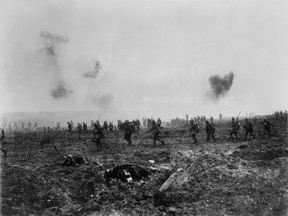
156 56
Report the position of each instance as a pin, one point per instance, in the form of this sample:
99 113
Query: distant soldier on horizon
210 130
220 117
92 125
15 125
69 127
194 130
248 128
58 126
72 125
187 119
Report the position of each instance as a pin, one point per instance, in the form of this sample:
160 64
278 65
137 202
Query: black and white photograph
144 107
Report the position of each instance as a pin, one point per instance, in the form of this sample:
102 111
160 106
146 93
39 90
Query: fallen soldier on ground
126 173
70 160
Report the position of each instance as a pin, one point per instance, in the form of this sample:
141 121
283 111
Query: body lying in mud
127 173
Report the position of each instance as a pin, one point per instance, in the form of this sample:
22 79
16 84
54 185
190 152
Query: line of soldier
129 128
199 120
248 128
234 127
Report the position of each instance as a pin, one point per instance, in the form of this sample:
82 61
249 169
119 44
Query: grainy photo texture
148 107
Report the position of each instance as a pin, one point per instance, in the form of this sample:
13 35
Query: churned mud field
245 177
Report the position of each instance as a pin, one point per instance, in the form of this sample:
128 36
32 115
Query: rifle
58 151
147 131
132 122
238 115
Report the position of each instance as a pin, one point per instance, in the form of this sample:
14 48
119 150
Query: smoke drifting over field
219 86
51 43
149 70
103 101
60 91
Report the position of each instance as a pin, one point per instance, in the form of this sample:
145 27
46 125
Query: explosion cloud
60 91
219 86
93 74
51 43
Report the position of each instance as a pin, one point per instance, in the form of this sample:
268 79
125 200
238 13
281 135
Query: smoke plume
92 74
60 91
219 86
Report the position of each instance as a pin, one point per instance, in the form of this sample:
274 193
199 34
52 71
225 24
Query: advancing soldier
194 129
98 135
69 127
266 126
128 130
105 126
79 128
110 126
85 129
234 128
248 128
210 130
156 132
211 119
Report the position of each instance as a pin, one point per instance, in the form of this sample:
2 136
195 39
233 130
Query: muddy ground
244 177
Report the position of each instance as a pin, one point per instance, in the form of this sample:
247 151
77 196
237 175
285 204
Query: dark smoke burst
93 74
220 86
60 91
